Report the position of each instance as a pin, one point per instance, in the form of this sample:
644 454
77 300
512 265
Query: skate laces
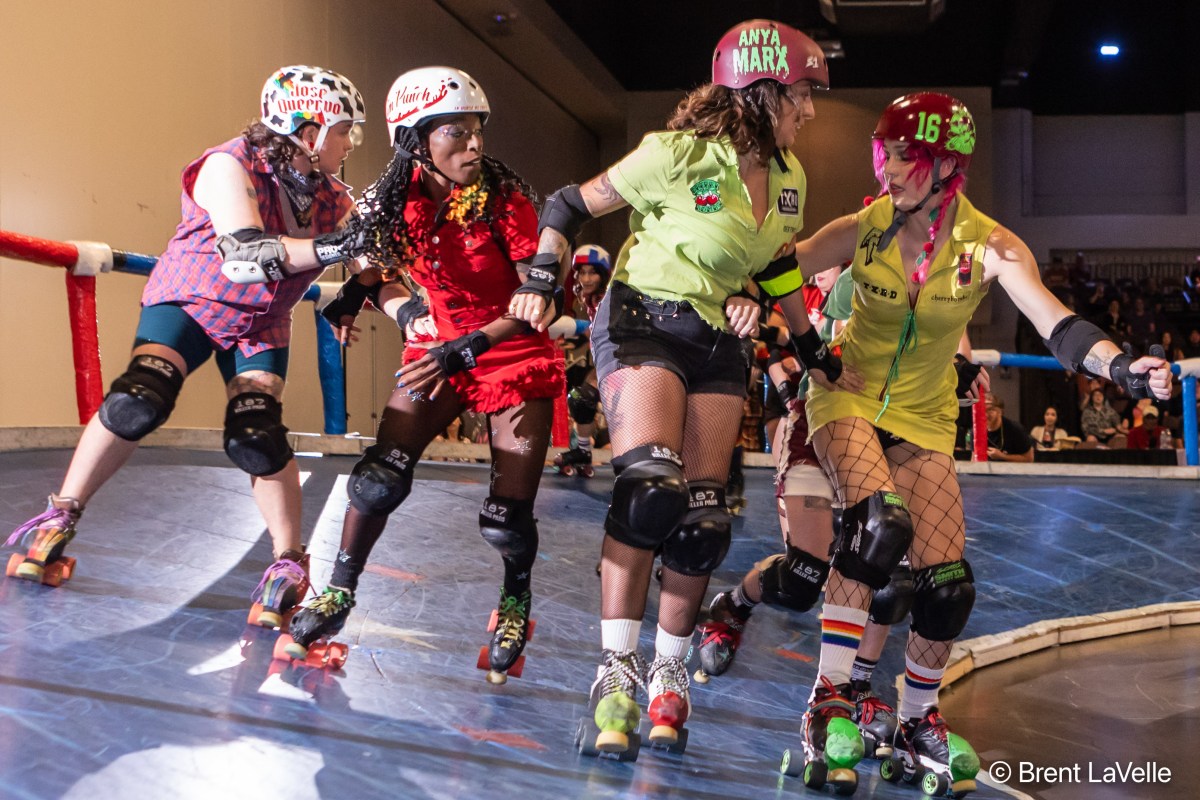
670 674
331 601
623 672
828 702
869 705
60 518
511 617
284 569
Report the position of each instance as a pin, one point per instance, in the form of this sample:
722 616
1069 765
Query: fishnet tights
648 405
853 458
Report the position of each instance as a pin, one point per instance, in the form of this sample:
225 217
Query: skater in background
923 259
260 222
716 200
588 277
454 222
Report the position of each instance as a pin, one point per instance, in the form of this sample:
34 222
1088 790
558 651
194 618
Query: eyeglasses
457 133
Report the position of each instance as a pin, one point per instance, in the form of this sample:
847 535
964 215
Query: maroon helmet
762 48
938 121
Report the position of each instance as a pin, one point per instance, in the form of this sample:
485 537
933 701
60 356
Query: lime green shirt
692 231
922 406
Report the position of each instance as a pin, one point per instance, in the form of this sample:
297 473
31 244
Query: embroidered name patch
789 202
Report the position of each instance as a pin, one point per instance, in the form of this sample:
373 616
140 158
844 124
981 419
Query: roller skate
832 743
511 628
574 462
876 720
281 590
612 729
44 538
720 637
927 752
670 703
313 626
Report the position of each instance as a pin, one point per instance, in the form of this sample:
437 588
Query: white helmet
420 94
299 94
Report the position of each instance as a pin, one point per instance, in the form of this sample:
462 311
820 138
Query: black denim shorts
634 330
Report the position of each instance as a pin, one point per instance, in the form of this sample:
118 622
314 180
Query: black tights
519 438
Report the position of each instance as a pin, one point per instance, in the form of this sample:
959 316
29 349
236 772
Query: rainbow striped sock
841 632
921 686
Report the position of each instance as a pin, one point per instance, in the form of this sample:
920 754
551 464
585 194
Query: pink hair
921 170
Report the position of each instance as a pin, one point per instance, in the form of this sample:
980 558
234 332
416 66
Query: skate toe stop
269 619
612 742
963 787
497 678
664 734
700 676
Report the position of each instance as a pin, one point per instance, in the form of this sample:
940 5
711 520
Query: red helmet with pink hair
938 121
762 48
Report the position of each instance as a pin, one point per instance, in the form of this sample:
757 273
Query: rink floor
139 677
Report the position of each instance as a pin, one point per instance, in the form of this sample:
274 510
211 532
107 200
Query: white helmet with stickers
300 94
427 92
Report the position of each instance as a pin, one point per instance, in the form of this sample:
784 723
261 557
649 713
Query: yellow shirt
692 232
922 406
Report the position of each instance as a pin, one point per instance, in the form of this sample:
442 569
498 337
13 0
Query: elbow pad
248 256
565 212
1071 340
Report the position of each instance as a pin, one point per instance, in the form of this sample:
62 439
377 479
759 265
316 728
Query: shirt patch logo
965 263
708 196
869 243
789 202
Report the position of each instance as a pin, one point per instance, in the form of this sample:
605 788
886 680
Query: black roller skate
612 728
313 626
876 720
281 590
575 462
720 637
511 628
832 743
44 539
927 752
670 703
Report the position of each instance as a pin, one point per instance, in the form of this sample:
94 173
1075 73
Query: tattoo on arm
251 193
1097 364
605 189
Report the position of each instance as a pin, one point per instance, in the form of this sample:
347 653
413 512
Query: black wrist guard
967 373
768 335
349 301
409 310
814 353
787 391
343 244
542 277
460 354
1137 385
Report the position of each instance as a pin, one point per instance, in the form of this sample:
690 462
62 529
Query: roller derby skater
889 449
262 217
281 590
667 342
454 222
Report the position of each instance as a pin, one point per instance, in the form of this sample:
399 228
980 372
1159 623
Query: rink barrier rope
85 260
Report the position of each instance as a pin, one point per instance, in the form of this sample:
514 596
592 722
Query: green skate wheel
935 784
792 764
814 774
890 769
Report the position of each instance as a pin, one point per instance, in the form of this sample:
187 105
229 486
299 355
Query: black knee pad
509 526
381 479
892 603
582 402
255 437
942 599
876 533
649 499
794 580
699 544
141 399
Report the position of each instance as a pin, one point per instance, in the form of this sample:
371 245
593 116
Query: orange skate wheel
338 653
68 567
252 616
281 644
14 561
493 620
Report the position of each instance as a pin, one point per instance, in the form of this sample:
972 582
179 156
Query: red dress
469 279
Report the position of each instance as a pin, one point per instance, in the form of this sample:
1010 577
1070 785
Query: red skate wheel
529 626
280 652
53 574
482 662
14 561
338 653
318 654
492 621
517 668
252 617
68 568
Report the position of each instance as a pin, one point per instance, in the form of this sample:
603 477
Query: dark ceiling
1036 54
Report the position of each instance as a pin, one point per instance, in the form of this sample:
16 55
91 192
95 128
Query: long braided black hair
381 207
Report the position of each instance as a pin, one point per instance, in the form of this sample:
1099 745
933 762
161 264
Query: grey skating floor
139 678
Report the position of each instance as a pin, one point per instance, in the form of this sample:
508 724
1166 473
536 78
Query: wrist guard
967 373
542 277
349 301
461 354
411 309
814 353
1137 385
344 244
248 256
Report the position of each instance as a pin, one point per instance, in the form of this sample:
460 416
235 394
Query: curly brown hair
279 149
747 116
